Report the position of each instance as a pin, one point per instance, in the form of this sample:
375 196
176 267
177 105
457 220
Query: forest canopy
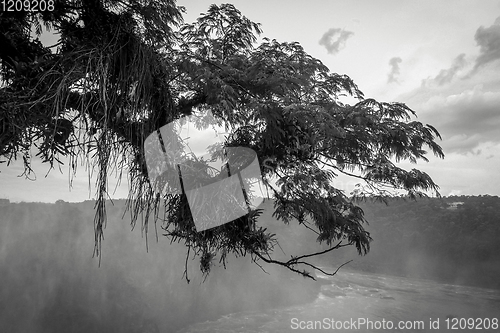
123 69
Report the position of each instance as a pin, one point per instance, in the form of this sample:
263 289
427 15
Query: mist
51 282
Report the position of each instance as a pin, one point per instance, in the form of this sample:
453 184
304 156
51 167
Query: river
363 302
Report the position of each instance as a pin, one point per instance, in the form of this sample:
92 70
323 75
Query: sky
441 58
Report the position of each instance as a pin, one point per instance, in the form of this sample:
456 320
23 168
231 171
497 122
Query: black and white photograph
182 166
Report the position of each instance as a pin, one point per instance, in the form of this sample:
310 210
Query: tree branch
290 264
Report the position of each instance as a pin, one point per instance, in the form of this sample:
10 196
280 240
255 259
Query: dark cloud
467 119
334 39
446 75
394 63
488 39
466 112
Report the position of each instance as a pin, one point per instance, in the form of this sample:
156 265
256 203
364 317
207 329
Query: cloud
446 75
465 119
488 39
465 111
334 39
394 63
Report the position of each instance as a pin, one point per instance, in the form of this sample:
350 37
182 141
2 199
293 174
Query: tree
123 69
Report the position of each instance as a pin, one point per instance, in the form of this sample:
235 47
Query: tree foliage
123 69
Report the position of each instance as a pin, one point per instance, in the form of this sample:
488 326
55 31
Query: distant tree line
453 239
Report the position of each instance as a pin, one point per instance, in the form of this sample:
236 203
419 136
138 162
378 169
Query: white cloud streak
446 75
